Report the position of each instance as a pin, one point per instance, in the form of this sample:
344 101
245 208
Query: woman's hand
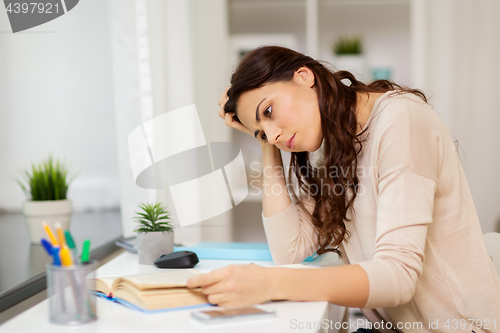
231 122
235 285
229 116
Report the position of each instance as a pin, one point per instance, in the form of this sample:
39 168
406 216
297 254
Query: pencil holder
69 290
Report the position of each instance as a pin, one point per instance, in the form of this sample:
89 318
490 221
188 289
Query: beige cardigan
414 228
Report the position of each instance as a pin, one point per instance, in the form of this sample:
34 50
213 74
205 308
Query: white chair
492 240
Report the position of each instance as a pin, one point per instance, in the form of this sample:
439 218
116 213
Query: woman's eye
268 111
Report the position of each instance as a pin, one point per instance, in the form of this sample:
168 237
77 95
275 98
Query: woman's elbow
288 256
287 259
396 298
397 285
406 293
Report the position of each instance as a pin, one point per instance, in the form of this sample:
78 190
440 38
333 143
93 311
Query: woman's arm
273 177
240 285
275 198
290 233
289 230
343 285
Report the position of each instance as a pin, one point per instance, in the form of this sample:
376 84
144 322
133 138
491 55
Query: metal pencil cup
71 301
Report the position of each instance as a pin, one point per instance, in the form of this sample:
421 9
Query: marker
86 251
55 255
60 234
47 245
49 232
65 256
71 245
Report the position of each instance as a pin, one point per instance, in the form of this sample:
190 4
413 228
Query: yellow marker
50 234
60 234
65 256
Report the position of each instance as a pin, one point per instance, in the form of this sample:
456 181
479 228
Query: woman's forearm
275 196
342 285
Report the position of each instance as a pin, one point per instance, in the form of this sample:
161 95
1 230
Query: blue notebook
137 308
232 251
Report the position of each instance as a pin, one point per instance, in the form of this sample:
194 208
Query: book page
103 284
164 279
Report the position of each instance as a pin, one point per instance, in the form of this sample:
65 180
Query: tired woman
389 195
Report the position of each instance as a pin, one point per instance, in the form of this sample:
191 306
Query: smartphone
232 315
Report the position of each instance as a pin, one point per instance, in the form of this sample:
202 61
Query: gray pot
152 245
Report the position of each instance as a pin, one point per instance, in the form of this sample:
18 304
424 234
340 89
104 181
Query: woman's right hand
229 116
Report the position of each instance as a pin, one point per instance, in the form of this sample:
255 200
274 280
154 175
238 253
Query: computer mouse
179 259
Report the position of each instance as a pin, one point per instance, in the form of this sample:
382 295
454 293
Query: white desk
115 318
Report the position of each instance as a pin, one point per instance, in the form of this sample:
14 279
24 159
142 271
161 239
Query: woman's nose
274 135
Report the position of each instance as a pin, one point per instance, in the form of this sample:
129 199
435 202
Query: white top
414 228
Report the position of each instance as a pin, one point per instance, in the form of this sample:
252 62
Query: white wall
56 96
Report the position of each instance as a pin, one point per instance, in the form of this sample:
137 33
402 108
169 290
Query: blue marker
55 254
47 245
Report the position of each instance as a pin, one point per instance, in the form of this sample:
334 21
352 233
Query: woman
389 195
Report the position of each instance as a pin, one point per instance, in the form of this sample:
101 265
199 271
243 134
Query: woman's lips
291 142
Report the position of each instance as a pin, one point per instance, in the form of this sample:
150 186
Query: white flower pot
355 64
50 211
152 245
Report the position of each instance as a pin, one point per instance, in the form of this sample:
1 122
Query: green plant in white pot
155 233
46 187
349 56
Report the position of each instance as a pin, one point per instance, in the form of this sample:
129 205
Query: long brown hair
337 105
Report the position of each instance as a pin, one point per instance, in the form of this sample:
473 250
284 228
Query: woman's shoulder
398 103
404 111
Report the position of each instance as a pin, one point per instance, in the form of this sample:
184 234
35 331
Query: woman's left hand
235 285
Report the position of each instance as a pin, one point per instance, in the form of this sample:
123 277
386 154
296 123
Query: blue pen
55 254
47 245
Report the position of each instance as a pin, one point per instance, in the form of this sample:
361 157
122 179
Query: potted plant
46 187
349 55
155 236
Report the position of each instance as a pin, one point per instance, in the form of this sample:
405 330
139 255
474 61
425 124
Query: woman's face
285 113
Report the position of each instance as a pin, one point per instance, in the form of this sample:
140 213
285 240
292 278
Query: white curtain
166 55
132 95
457 63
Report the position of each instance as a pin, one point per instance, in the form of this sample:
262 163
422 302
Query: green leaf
152 217
45 181
348 45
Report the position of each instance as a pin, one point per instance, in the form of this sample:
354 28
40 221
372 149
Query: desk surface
115 318
22 265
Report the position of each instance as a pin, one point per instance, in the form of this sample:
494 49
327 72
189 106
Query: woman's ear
304 76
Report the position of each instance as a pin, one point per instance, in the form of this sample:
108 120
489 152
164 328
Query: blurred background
77 86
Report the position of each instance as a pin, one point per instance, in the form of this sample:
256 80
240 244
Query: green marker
86 251
71 245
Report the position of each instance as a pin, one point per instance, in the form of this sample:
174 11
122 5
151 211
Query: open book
154 291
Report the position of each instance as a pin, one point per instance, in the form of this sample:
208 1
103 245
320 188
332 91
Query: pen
49 232
64 253
65 256
71 245
56 277
55 254
47 246
86 252
60 234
